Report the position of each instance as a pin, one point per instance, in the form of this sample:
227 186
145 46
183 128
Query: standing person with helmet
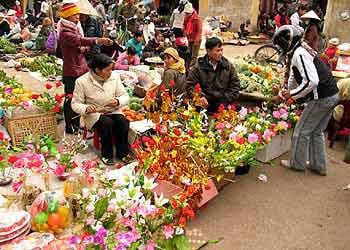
312 82
312 29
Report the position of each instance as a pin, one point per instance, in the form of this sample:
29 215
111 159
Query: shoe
127 159
106 161
321 172
286 164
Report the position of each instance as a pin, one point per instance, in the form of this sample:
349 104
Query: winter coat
90 89
73 45
193 28
221 85
178 78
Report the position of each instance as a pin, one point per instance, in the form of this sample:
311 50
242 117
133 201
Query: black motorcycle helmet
286 38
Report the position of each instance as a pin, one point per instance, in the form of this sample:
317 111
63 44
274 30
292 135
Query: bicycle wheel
267 54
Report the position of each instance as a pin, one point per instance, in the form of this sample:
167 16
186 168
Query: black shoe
106 161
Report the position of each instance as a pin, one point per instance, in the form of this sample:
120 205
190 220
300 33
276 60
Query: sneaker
106 161
286 164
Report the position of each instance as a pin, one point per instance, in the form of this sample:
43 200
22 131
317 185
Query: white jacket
90 90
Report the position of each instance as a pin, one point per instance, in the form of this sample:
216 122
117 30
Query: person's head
130 2
214 49
188 10
159 36
131 52
18 3
334 42
47 22
282 11
138 36
287 38
102 65
310 17
171 56
23 23
70 12
83 17
302 9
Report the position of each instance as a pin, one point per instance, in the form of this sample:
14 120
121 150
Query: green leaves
101 207
179 242
110 222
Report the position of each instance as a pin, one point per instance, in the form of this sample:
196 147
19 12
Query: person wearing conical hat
312 29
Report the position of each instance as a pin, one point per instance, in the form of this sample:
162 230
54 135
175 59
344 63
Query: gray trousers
308 143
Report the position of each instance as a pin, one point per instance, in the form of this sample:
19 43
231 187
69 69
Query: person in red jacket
281 18
331 54
73 46
18 9
193 31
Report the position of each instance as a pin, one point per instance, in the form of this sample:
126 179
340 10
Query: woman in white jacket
98 97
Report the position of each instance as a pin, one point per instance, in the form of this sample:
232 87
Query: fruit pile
257 78
49 214
133 115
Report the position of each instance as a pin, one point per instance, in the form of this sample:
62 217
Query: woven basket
39 124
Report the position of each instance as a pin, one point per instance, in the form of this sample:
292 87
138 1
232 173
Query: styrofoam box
279 145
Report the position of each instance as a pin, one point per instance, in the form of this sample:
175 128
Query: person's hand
161 44
290 101
104 41
91 109
276 99
204 102
286 94
114 103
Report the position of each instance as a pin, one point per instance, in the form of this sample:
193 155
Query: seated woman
98 97
44 33
126 59
136 42
174 71
155 46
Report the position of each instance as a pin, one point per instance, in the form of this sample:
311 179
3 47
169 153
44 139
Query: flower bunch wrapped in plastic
125 214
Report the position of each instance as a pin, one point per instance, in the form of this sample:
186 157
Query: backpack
52 45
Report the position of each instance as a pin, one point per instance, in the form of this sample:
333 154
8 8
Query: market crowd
91 48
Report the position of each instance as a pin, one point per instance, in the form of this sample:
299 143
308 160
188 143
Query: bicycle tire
266 59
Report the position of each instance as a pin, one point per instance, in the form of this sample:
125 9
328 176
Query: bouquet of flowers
125 214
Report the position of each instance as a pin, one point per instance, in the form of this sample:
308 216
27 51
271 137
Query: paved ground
292 211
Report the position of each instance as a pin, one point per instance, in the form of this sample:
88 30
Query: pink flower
90 221
233 136
282 125
17 186
276 114
151 245
8 90
268 135
168 231
27 104
220 126
111 207
253 138
102 192
59 171
243 112
284 114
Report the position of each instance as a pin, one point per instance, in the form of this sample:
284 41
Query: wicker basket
39 124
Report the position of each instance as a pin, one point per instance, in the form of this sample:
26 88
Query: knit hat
69 9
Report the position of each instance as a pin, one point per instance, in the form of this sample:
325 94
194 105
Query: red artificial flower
136 144
160 211
163 88
240 140
182 221
221 108
172 83
35 96
1 158
59 171
57 108
48 86
69 96
12 159
58 98
183 197
177 131
198 88
188 212
17 186
58 84
208 186
90 179
190 132
2 136
161 129
74 164
174 204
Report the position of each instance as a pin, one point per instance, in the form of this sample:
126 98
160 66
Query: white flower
85 192
185 180
241 129
179 231
160 201
90 208
149 184
258 127
133 193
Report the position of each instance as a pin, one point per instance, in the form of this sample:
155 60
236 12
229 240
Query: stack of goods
13 225
255 78
32 241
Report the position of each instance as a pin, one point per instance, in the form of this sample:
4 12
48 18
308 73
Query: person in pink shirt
126 59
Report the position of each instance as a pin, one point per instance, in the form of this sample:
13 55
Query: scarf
180 63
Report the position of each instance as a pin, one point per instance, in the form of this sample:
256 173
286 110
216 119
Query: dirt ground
292 211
